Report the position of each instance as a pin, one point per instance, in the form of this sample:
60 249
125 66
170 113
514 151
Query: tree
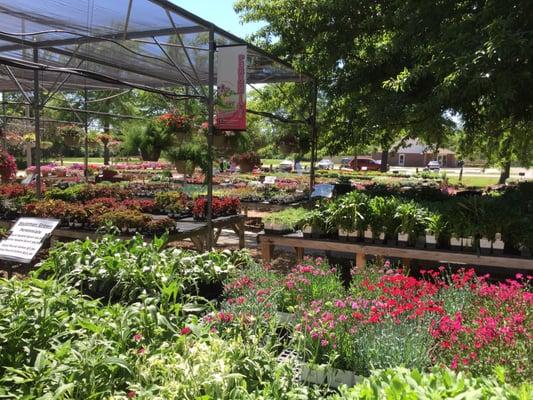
399 67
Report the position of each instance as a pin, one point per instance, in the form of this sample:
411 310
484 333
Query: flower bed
149 336
390 319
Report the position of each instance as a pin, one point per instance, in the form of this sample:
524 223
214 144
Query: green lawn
474 181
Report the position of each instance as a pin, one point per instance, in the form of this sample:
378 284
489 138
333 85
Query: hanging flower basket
71 141
184 167
71 135
175 122
246 167
246 161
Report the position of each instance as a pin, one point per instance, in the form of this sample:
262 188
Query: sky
219 12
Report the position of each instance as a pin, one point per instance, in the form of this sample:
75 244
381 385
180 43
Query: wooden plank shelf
188 228
361 250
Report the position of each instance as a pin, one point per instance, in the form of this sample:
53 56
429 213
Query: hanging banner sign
26 239
231 89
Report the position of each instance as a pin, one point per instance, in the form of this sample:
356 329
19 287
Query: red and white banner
231 89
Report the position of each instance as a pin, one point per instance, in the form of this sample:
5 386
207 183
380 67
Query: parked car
345 162
433 166
325 164
285 166
366 164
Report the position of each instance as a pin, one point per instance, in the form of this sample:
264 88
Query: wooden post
360 260
267 249
299 253
242 242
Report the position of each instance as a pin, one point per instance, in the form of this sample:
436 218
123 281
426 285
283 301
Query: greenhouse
184 215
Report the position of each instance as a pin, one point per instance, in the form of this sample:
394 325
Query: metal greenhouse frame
50 46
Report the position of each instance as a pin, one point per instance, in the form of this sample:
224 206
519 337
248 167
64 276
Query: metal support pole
211 132
37 116
86 137
314 135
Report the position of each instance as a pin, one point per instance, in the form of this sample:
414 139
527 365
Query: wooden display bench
361 250
196 231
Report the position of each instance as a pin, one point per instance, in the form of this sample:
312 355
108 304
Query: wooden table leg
217 235
267 249
299 253
360 260
239 229
406 263
198 242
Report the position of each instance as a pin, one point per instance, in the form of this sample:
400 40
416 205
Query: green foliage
148 139
290 217
127 270
402 383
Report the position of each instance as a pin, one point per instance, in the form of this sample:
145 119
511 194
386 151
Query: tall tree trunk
506 172
384 159
106 154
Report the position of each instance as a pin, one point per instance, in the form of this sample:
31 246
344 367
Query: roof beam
19 43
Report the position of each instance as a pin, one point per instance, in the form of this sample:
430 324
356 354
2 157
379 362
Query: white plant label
26 239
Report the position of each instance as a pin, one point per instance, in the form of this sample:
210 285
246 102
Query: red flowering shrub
222 206
14 190
8 166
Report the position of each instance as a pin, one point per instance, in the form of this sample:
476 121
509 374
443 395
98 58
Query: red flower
185 330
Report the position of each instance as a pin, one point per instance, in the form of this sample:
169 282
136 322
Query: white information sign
26 238
269 180
323 190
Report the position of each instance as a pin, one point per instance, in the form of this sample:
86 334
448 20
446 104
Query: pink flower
324 343
137 337
131 394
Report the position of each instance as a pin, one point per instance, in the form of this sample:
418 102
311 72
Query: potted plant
246 161
411 219
345 216
109 173
436 231
315 223
376 220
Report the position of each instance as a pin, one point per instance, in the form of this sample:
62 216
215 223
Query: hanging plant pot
220 141
182 135
71 141
246 167
183 167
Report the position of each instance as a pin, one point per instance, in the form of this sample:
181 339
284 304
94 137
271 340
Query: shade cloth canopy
104 44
